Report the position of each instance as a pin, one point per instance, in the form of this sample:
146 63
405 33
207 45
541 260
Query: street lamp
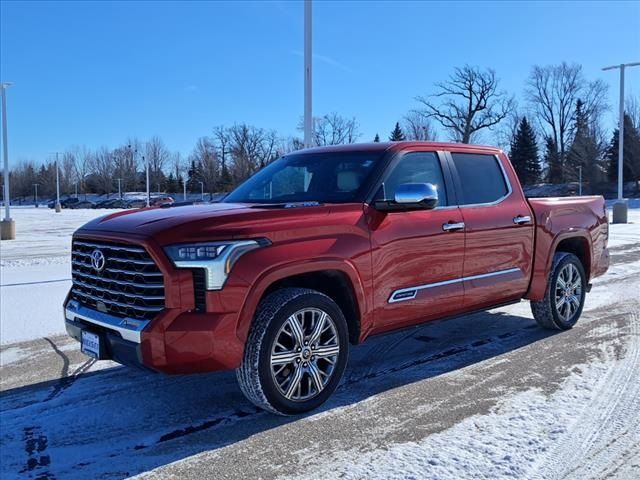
580 180
148 189
119 188
58 206
7 226
308 118
35 186
620 208
201 190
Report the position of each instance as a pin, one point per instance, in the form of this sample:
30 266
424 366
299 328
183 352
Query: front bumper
175 342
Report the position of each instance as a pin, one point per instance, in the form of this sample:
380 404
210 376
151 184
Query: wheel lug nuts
306 343
297 360
305 364
313 347
299 350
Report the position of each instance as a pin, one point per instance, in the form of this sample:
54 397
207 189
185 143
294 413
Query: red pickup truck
319 250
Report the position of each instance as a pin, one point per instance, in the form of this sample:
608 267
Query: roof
383 146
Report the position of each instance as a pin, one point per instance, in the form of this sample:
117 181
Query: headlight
215 258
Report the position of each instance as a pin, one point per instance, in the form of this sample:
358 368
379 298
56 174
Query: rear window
481 178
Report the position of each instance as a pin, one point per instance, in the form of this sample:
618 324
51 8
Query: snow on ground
35 271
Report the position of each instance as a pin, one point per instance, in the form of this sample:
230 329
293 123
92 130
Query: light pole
308 118
201 190
580 180
148 190
7 226
620 208
119 188
58 206
35 186
75 185
184 190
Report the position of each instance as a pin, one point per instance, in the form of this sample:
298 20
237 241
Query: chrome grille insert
129 286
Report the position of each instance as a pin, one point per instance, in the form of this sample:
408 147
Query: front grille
129 284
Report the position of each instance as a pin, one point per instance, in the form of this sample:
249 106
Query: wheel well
580 248
334 284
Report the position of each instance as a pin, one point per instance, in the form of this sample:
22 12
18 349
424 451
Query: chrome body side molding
410 293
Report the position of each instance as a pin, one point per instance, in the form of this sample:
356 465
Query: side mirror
410 196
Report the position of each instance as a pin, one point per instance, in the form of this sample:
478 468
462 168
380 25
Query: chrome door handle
453 226
520 219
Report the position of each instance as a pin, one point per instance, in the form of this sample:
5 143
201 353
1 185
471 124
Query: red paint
377 252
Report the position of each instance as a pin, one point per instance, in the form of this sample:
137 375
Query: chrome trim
217 269
415 193
495 202
410 293
117 270
115 292
520 219
452 226
111 247
119 304
119 282
116 259
128 328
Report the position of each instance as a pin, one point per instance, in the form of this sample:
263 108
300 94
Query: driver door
417 256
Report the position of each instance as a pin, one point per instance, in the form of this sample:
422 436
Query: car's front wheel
296 352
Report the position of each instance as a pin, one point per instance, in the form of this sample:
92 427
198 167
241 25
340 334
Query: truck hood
209 221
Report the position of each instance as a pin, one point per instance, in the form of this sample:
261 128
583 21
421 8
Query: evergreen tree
225 178
172 184
583 152
524 154
397 134
552 160
376 139
194 177
631 152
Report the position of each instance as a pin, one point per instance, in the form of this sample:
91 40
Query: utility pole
580 180
7 226
58 206
308 52
620 208
119 188
35 186
146 162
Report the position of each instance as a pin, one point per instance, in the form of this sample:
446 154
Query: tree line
553 135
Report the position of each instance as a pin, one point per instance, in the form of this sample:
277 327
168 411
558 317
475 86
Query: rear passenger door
498 227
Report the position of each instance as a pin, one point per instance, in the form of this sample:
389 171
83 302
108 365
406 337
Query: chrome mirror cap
422 193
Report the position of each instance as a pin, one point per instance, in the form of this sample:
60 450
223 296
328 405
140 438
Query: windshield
334 177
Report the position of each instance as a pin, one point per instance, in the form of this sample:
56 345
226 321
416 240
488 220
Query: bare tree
417 126
506 131
553 92
632 108
157 154
102 170
333 129
205 163
467 103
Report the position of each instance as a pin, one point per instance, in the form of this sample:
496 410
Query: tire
276 355
561 306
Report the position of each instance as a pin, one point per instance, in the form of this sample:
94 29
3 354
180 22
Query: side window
481 178
416 167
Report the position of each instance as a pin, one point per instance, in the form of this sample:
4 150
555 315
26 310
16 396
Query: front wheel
296 352
564 297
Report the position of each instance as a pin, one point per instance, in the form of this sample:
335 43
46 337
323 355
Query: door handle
452 226
520 219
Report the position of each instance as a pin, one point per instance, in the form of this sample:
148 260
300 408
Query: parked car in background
161 200
136 203
81 204
64 203
320 250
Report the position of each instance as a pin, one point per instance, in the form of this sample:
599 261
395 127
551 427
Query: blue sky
90 73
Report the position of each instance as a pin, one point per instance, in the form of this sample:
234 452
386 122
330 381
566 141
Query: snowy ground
488 396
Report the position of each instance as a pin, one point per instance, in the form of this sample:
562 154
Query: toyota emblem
97 260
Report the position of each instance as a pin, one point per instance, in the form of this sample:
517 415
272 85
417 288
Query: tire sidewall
566 259
270 389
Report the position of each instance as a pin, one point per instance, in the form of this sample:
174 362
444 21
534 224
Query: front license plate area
90 344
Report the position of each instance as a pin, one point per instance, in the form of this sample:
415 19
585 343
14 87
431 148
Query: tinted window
418 167
481 177
322 177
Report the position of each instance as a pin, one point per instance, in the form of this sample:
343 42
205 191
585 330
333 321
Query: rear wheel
296 352
564 298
